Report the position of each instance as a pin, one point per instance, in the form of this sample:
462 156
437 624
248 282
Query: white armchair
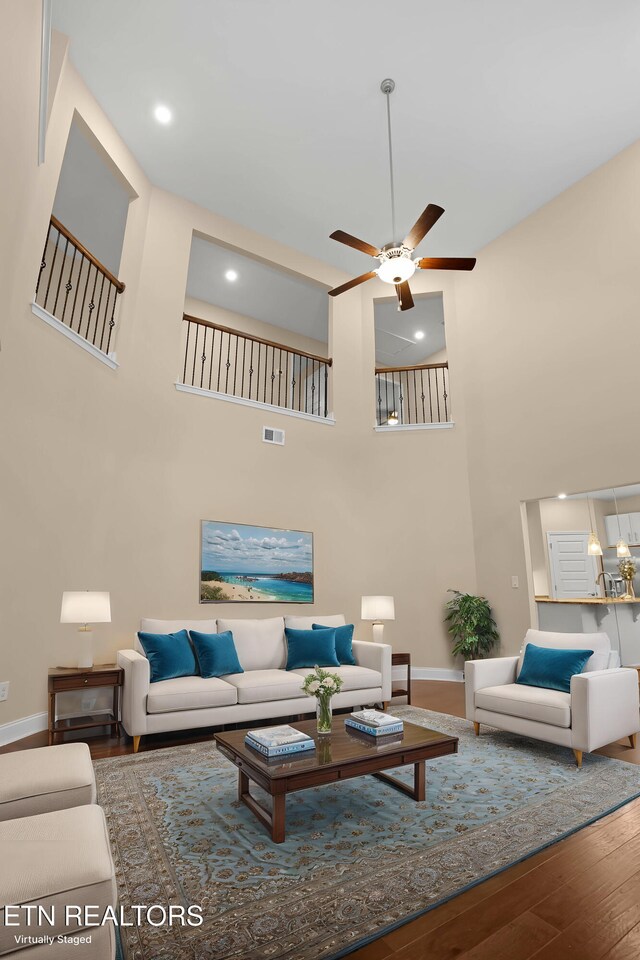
603 704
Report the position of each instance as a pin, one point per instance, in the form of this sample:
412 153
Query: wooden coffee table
342 755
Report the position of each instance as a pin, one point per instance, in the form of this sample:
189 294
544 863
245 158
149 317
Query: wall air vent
271 435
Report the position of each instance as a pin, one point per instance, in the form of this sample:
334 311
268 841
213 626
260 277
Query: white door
573 571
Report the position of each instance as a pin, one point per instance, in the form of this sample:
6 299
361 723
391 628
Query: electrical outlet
515 583
4 690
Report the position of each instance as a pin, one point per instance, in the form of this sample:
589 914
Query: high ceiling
396 341
279 123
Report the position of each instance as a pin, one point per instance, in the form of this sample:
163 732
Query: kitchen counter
618 618
603 601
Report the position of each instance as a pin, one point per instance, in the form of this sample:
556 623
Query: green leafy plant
471 625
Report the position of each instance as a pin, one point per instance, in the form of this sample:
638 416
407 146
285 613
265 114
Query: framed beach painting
245 564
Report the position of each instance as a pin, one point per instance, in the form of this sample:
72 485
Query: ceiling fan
396 263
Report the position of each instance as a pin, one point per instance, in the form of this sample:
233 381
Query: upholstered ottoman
52 861
45 779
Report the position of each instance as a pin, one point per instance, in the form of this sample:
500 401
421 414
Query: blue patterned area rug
359 859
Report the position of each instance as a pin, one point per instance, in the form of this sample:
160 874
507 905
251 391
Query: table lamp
378 609
85 607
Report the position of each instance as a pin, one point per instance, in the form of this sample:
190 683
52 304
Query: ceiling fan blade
447 263
404 296
423 224
351 283
350 241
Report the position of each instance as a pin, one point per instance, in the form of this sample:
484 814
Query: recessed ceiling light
231 275
418 335
562 496
163 114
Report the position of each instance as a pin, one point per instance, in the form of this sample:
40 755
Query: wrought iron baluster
220 361
244 354
112 324
445 383
424 420
326 389
438 395
195 353
75 296
68 285
92 304
64 259
186 352
415 393
95 326
51 272
203 358
379 396
211 353
105 313
43 262
251 368
273 376
430 397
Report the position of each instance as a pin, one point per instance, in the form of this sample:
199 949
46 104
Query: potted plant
471 625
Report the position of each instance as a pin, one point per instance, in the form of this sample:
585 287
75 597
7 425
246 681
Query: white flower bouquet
322 685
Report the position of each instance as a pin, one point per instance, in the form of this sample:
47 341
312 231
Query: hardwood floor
578 899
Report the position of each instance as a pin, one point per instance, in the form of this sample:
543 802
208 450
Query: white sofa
602 706
265 691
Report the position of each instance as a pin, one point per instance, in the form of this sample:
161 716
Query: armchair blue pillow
216 653
344 642
551 667
310 648
170 655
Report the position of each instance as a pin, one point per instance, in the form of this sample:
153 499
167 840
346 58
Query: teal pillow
216 653
551 667
344 642
311 648
170 655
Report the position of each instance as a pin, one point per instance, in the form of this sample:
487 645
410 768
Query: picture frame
246 563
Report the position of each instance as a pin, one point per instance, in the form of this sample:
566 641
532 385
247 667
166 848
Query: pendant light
594 549
622 547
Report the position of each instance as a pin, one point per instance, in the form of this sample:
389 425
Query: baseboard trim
428 673
18 729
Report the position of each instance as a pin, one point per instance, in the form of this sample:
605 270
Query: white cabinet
627 526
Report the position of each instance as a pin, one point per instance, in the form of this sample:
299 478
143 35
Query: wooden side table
63 679
402 660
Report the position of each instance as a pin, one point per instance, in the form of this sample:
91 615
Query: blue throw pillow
344 641
310 648
551 667
170 655
216 653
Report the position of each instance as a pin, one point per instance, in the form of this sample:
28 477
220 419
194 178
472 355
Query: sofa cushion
311 648
306 623
190 693
216 653
353 678
259 686
172 626
598 642
529 703
344 642
169 654
550 667
45 779
54 859
260 643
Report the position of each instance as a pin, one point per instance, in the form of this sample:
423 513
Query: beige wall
106 474
549 320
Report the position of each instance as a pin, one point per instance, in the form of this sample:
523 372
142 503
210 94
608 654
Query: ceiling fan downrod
388 86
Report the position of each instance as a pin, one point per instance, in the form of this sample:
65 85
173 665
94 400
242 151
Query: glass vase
628 586
323 714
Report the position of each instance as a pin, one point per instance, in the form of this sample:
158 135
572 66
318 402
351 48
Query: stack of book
374 722
278 741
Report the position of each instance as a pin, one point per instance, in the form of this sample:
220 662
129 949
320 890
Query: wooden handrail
60 227
417 366
249 336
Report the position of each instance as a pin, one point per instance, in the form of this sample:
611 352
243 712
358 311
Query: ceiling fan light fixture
396 269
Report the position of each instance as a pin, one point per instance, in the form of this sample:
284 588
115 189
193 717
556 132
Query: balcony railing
225 361
75 288
412 395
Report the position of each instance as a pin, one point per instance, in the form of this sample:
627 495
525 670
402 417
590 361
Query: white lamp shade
85 606
378 608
